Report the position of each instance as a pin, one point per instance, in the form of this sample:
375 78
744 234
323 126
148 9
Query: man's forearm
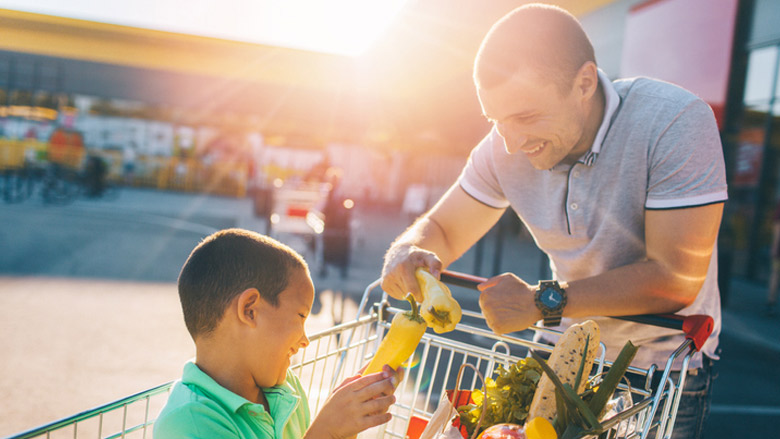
426 234
645 287
679 246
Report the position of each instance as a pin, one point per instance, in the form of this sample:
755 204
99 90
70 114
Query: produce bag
621 401
445 422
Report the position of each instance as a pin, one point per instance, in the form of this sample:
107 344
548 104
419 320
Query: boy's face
281 329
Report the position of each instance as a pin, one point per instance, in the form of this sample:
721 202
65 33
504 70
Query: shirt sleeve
479 178
686 164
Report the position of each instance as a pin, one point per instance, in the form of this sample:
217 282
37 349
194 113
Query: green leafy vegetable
508 396
577 417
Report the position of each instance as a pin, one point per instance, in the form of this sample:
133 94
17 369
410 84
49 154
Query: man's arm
435 240
679 247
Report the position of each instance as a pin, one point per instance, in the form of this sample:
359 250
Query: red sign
686 42
750 153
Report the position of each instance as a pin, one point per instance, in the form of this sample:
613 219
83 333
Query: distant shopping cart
340 351
296 207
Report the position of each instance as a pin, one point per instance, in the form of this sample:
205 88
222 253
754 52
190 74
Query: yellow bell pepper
406 330
540 428
439 309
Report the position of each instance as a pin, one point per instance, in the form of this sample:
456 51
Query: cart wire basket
340 351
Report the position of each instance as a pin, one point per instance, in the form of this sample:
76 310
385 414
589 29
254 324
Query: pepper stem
442 317
415 308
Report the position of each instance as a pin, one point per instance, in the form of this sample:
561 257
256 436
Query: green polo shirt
198 407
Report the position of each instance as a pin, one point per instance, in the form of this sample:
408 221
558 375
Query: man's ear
248 306
587 81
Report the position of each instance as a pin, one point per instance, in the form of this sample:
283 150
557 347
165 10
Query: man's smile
535 150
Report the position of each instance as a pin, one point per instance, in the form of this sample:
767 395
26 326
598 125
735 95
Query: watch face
550 297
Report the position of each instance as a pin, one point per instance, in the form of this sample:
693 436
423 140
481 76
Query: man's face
281 329
534 118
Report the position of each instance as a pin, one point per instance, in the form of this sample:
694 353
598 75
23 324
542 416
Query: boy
245 299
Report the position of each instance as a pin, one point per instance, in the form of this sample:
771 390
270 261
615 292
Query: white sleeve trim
698 200
480 196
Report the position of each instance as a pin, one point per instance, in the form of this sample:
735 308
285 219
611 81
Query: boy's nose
304 341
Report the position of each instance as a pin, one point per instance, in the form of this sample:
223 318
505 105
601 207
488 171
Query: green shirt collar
233 402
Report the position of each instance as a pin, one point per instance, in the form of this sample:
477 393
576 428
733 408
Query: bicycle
61 185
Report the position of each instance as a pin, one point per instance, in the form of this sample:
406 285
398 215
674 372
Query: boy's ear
248 307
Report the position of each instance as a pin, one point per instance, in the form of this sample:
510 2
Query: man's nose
514 138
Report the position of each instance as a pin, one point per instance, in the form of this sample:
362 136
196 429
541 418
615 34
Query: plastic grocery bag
441 425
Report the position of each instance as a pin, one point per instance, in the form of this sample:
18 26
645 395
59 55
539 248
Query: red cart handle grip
696 327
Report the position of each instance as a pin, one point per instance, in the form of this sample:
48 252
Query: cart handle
697 327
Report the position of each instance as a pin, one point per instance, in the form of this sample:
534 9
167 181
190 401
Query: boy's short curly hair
225 264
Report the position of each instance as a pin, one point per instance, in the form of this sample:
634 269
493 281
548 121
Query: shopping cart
296 207
340 351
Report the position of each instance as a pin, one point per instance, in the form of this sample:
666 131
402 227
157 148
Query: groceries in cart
536 398
555 394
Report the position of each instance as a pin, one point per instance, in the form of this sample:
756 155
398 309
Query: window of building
755 179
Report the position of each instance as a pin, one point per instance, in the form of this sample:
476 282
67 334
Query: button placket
572 198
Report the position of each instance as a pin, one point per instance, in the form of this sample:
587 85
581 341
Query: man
621 184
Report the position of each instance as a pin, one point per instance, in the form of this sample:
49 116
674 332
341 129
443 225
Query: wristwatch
550 299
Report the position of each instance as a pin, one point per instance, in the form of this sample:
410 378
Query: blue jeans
695 401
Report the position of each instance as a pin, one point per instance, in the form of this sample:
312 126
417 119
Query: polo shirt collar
193 375
611 103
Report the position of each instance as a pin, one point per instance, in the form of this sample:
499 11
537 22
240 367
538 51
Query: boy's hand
396 376
356 404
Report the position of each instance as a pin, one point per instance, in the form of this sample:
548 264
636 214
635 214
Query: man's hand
398 272
435 240
356 404
507 303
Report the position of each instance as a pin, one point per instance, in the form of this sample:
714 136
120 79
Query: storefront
752 146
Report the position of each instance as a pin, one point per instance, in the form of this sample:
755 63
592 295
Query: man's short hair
545 38
225 264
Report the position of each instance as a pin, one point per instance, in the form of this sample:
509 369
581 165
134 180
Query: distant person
337 232
774 277
95 175
129 157
245 298
31 134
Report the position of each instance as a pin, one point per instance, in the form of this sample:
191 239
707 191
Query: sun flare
343 27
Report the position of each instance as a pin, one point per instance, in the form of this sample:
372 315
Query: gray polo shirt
658 147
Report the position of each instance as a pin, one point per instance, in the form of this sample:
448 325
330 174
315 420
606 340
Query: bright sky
344 27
